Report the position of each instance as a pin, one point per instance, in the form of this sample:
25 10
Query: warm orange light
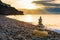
26 4
23 4
28 18
50 21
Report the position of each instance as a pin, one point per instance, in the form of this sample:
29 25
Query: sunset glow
28 18
21 4
50 21
26 4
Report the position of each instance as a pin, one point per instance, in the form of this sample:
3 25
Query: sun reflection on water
48 20
28 18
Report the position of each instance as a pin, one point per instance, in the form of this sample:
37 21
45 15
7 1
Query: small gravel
11 29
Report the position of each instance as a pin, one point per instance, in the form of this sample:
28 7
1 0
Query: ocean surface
51 22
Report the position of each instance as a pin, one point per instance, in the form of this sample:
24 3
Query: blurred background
35 6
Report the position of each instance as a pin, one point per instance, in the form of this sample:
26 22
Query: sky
36 6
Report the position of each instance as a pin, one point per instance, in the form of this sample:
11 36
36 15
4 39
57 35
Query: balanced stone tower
40 25
40 21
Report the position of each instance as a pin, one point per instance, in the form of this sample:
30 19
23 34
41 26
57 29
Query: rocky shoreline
11 29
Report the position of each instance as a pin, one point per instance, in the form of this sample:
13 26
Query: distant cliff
6 9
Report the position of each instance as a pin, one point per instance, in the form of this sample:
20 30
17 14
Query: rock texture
11 29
